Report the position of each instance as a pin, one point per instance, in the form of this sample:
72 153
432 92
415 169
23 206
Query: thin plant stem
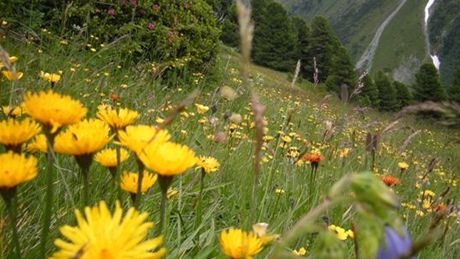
199 203
85 175
49 192
165 182
162 211
11 206
140 178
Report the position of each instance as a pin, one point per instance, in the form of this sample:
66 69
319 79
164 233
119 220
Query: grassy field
298 119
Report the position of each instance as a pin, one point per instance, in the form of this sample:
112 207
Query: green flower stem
140 178
85 175
199 208
9 196
49 191
84 162
165 182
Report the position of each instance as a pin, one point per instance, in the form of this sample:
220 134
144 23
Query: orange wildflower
390 180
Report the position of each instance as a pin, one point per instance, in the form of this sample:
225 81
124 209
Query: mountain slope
403 45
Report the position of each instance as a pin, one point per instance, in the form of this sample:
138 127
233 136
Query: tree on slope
403 95
342 71
427 85
275 40
454 89
369 95
324 44
387 93
303 48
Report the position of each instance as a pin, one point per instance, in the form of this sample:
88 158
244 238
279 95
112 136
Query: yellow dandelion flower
208 164
83 138
38 144
50 77
12 76
101 235
301 252
129 181
137 137
344 153
16 169
201 108
12 111
168 159
403 165
116 119
14 133
108 157
237 243
53 110
341 233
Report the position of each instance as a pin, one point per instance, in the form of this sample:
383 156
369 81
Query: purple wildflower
395 245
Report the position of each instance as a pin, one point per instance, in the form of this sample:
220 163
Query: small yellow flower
344 153
108 157
103 235
9 111
53 110
301 252
341 233
83 138
129 181
52 78
403 166
16 169
287 139
237 243
208 164
38 144
11 59
201 108
116 120
14 133
12 76
168 159
137 137
279 191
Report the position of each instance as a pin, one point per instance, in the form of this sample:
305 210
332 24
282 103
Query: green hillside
355 22
402 47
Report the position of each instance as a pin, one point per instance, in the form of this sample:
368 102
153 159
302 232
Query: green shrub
172 33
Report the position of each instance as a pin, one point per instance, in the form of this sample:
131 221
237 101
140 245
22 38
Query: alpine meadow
133 129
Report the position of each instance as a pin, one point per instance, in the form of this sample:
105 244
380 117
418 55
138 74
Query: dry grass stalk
359 86
344 93
246 36
296 73
258 110
408 141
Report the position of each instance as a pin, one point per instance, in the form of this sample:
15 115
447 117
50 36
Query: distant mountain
391 34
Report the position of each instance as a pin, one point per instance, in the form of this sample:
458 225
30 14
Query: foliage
303 39
275 40
387 92
403 96
343 69
170 33
369 95
454 89
324 44
427 85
